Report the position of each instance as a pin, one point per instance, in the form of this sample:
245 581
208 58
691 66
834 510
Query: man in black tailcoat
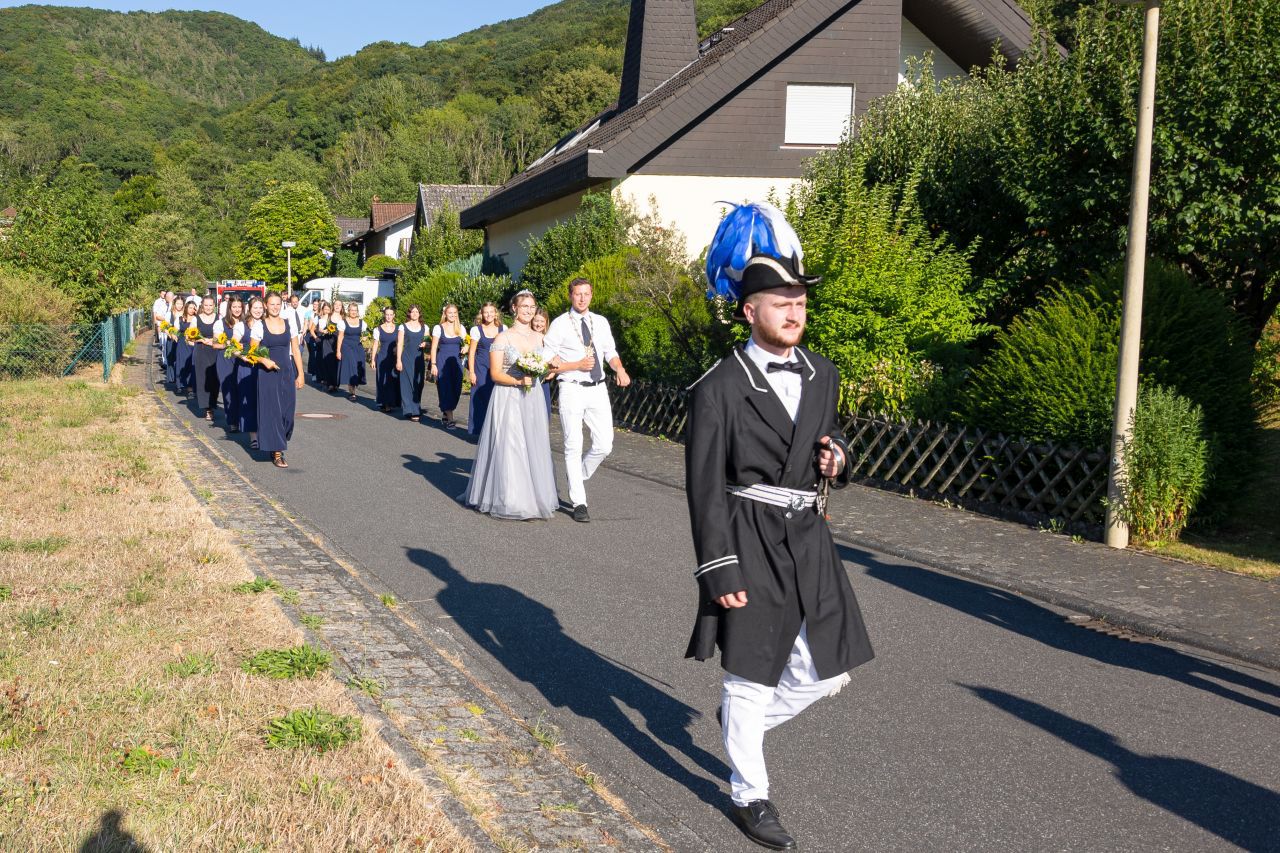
773 595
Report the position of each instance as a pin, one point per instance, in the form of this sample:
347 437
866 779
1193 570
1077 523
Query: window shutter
817 114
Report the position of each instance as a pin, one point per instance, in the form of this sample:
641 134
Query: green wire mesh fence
29 350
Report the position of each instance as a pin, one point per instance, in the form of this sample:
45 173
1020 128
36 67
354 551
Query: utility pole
288 265
1117 530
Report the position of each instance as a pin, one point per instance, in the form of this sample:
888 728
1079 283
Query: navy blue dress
204 364
384 364
326 347
277 396
171 359
186 370
483 389
414 362
227 382
246 387
449 363
351 368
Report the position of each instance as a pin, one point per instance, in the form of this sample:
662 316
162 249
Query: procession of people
763 445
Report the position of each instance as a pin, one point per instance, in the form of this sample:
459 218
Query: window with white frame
817 114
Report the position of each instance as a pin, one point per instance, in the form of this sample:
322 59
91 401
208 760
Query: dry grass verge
124 711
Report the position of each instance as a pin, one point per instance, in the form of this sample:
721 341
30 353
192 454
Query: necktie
789 366
597 370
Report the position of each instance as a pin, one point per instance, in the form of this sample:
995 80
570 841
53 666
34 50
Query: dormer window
817 114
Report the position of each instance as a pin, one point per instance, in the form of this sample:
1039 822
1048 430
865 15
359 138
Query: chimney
662 38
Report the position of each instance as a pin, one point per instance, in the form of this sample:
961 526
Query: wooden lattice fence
986 471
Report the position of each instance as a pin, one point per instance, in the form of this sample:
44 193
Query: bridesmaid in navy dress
411 361
327 374
186 370
204 358
279 378
487 328
350 352
171 345
385 340
446 362
229 325
542 322
247 373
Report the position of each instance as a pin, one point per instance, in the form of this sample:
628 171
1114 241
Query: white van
362 291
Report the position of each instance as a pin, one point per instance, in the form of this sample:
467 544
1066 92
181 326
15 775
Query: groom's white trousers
581 405
750 709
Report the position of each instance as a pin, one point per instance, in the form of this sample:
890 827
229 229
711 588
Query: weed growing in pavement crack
310 621
370 687
545 733
388 600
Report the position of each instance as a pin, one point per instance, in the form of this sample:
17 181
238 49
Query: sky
342 28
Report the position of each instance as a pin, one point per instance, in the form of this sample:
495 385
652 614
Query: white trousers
750 709
589 406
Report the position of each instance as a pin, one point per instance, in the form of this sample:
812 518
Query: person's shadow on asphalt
1017 614
1234 809
446 472
111 837
527 639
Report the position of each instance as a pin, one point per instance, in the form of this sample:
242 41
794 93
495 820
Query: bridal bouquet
192 334
533 364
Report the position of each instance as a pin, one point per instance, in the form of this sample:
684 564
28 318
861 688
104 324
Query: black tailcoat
740 434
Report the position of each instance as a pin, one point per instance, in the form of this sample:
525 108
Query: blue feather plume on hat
750 229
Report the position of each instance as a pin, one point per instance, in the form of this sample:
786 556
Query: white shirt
159 309
255 330
437 331
785 384
193 299
564 339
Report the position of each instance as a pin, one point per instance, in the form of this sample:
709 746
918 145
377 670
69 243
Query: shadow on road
111 837
527 639
1232 808
1017 614
446 472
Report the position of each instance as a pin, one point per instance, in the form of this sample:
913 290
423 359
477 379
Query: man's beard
786 336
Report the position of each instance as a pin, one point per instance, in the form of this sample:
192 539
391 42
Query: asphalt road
986 721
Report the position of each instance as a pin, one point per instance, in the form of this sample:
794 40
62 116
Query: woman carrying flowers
512 476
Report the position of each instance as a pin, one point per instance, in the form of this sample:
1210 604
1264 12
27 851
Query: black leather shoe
580 513
759 820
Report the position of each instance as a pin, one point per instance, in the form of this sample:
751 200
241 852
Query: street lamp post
1117 529
288 265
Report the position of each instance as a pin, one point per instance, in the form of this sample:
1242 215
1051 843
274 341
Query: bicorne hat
754 249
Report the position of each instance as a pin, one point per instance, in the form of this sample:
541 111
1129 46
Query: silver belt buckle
797 503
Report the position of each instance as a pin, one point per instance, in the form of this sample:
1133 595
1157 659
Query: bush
1266 366
474 291
444 241
429 289
375 264
1165 465
1052 372
595 231
345 264
373 314
894 310
27 297
472 265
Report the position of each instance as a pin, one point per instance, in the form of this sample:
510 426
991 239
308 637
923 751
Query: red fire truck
242 289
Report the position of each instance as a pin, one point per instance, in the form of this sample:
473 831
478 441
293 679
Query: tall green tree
68 232
295 211
444 240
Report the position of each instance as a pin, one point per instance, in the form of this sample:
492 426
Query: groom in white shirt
579 343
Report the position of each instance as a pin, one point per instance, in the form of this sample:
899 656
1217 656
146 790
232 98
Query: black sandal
208 414
277 459
253 443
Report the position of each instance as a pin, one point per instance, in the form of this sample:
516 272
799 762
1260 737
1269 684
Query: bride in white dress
513 477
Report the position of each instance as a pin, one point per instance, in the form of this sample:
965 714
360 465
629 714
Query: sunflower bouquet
331 329
167 328
221 339
256 353
233 350
192 334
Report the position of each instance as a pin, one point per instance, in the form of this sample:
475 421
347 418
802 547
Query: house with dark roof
432 198
735 116
387 231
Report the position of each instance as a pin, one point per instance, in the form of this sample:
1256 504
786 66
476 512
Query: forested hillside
196 115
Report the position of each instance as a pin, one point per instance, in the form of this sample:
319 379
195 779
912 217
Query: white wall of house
389 242
695 204
916 44
506 238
